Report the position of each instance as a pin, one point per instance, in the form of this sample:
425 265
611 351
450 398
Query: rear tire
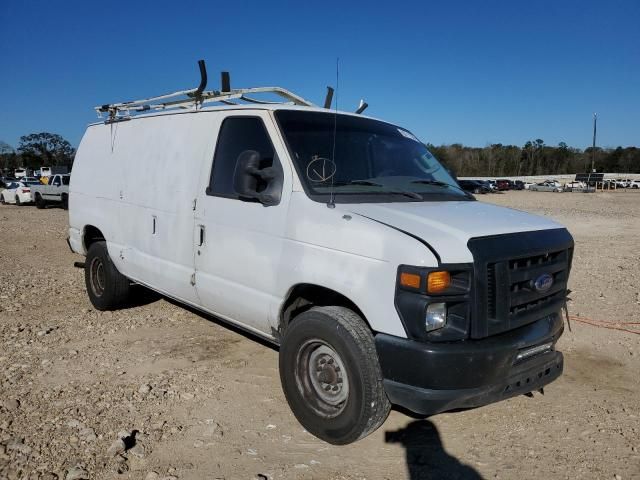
331 376
107 288
18 201
2 200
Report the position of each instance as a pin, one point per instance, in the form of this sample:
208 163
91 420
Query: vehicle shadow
425 455
222 323
141 296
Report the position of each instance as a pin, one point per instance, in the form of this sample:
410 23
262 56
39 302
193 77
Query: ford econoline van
339 238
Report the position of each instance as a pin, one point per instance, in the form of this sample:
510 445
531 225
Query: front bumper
429 378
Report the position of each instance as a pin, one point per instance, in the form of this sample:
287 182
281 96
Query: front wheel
331 376
65 202
40 203
107 288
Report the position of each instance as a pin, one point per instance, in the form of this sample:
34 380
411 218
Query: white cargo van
337 237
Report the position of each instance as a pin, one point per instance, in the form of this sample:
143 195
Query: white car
548 186
527 185
18 193
337 237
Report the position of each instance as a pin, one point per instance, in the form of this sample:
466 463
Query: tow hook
78 264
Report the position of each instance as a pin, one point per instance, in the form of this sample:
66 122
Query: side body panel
350 254
237 265
143 201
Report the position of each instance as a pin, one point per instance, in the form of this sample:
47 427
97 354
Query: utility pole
593 150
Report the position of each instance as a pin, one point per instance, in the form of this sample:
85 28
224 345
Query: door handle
201 235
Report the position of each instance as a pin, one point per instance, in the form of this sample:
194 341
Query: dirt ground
195 399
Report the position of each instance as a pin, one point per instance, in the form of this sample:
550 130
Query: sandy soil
195 399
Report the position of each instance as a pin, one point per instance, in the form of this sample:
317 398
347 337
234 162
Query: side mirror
254 183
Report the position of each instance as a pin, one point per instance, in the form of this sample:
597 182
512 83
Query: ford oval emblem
543 282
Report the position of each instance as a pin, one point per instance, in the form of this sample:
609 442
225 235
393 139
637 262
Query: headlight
436 316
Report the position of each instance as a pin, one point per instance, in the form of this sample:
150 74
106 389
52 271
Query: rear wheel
107 288
331 376
2 200
18 201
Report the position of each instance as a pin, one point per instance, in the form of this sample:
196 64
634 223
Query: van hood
448 226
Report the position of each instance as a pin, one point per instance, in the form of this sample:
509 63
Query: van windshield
370 161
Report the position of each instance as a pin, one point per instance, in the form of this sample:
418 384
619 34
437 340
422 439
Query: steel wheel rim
97 277
322 378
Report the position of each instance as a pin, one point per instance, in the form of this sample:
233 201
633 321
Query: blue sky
476 72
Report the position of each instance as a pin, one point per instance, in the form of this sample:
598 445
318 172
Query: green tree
45 149
7 156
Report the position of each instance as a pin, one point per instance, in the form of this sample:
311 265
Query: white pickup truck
335 236
56 191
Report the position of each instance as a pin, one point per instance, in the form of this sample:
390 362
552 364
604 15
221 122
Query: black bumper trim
433 377
429 402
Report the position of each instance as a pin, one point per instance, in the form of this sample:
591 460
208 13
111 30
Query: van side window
238 134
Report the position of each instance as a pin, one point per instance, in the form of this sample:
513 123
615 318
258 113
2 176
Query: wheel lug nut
327 388
330 361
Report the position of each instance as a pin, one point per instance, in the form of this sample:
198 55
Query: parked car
489 187
503 185
527 185
18 193
518 185
376 286
634 184
474 186
56 191
548 186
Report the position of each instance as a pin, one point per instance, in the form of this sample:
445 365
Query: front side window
237 135
357 159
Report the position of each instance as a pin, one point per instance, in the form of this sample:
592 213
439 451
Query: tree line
497 160
534 158
37 150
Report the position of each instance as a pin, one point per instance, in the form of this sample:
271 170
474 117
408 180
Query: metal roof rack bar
196 97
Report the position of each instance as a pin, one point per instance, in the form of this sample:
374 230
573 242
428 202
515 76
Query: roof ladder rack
197 97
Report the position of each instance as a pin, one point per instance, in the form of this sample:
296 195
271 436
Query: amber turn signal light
438 282
411 280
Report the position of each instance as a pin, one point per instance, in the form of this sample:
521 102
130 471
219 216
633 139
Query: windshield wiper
432 182
407 193
438 183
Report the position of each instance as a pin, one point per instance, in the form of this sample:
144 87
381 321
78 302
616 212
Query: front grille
507 267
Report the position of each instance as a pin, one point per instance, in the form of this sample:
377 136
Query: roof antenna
331 203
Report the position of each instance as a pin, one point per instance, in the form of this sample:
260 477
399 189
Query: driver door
239 241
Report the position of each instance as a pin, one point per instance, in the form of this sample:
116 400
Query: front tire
331 376
107 288
40 203
65 202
